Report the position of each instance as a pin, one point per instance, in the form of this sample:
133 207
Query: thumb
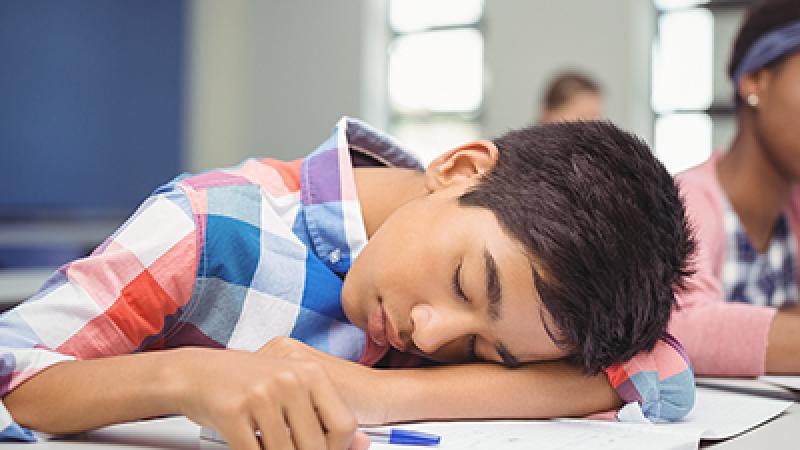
360 441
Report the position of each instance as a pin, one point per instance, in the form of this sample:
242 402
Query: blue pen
400 436
382 435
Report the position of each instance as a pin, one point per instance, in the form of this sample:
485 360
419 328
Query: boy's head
559 240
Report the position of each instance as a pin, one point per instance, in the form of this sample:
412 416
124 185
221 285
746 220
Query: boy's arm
465 391
234 392
490 391
660 381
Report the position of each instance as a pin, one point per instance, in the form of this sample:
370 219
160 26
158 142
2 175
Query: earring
752 100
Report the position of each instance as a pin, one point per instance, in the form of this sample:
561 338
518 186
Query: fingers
304 411
295 406
306 430
270 421
335 415
239 434
360 441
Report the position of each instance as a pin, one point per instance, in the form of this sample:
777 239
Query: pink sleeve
721 338
660 381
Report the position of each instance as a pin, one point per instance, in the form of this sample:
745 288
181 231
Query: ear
755 83
464 164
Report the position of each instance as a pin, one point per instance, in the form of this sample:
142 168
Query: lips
382 331
376 326
394 337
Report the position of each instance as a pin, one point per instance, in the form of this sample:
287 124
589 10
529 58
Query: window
691 96
436 73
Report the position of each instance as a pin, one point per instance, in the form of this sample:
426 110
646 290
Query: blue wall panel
91 104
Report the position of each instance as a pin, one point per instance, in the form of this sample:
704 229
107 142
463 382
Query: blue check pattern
764 279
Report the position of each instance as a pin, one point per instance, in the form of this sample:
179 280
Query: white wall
270 78
528 41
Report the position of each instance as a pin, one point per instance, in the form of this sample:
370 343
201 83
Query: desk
178 433
781 433
173 433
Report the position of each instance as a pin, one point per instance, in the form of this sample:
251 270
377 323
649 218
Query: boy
555 242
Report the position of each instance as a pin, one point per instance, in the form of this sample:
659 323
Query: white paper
541 434
716 415
553 434
791 382
724 414
632 413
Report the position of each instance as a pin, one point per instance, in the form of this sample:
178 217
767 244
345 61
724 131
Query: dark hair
565 86
762 18
604 227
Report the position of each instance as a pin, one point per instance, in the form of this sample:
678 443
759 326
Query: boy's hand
360 386
291 401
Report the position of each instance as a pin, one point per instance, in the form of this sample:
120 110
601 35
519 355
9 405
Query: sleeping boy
541 266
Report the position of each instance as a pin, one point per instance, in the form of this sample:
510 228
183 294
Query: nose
435 327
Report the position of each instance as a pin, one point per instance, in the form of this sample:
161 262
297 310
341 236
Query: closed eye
457 285
472 356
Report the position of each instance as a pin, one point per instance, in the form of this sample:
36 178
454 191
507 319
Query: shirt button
335 255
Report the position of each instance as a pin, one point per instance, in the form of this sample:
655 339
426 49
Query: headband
768 48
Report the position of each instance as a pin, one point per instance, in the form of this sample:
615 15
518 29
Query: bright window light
682 61
428 140
682 140
416 15
437 71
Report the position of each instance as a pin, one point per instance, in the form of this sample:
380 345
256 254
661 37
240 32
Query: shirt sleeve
106 304
721 338
660 381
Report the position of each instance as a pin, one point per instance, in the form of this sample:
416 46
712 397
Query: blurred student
571 96
741 316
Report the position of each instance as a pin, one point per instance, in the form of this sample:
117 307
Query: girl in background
740 316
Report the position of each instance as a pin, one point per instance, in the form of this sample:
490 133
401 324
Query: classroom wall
283 71
527 42
270 77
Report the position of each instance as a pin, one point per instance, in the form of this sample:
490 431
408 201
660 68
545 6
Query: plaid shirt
764 279
232 258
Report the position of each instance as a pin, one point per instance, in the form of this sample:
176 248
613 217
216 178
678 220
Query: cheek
395 261
779 129
411 271
410 254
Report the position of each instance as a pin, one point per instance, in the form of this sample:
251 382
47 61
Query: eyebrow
494 291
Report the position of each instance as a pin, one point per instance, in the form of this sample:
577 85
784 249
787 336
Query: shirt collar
330 203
